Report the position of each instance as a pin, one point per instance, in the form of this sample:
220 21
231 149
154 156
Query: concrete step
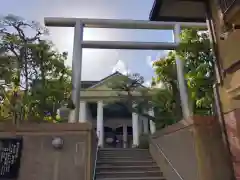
133 178
124 158
124 153
119 174
122 149
126 168
125 163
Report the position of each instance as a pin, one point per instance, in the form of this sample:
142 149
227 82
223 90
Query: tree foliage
166 73
197 55
37 80
141 99
196 52
129 88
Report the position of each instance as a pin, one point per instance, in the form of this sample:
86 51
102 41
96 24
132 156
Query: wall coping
172 128
203 120
45 127
195 120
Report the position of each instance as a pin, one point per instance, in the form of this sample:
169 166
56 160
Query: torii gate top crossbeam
119 23
79 44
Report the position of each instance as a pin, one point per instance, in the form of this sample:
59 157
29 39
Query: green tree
52 76
132 91
36 70
166 73
17 35
6 67
197 55
195 50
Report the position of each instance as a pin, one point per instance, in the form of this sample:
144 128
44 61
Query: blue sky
96 63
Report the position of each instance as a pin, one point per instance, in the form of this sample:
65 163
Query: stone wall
193 149
177 145
42 162
229 60
232 126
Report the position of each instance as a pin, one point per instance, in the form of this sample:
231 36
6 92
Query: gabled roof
92 84
87 84
106 78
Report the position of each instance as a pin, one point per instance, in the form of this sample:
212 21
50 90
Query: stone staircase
126 164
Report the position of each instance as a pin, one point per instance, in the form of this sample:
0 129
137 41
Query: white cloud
121 67
162 54
149 61
147 83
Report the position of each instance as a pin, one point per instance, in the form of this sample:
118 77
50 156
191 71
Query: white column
71 118
58 112
145 125
125 136
83 112
180 76
152 124
100 126
135 129
77 68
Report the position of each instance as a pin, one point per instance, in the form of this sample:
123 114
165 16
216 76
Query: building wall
88 114
41 161
114 122
229 56
94 94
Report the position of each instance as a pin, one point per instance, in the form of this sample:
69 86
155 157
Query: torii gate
79 44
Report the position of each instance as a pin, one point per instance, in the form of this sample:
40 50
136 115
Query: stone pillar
181 78
213 158
100 126
125 136
152 124
135 129
145 125
83 112
77 69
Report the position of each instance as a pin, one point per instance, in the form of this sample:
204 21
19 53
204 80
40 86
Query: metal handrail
96 157
168 161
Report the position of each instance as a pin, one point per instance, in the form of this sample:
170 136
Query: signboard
10 154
